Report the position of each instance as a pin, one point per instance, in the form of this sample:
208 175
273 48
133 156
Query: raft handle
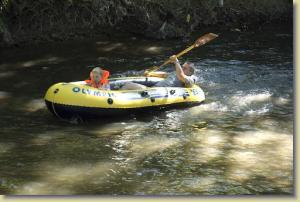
110 101
144 94
56 91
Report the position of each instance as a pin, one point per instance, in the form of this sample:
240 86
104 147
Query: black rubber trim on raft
68 111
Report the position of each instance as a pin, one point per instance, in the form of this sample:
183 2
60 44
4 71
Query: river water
238 142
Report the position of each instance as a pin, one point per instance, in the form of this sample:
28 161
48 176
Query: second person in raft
99 79
184 77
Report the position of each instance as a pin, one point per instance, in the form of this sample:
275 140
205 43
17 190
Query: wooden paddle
199 42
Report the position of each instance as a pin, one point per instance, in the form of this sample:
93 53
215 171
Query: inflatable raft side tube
68 111
85 96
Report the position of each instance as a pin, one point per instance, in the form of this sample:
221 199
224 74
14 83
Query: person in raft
184 77
98 79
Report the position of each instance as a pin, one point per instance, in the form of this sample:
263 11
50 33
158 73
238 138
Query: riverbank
28 22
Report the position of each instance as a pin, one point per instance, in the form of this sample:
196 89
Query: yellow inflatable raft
76 99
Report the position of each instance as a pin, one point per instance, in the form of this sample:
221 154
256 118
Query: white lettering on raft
93 92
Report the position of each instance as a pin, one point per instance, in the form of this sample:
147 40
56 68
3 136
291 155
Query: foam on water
264 109
242 99
213 107
281 101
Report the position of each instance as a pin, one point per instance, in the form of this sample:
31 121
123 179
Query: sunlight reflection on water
239 141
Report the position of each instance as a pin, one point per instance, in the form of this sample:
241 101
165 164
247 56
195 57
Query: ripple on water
239 141
262 110
217 106
4 95
6 147
242 99
62 178
258 152
34 105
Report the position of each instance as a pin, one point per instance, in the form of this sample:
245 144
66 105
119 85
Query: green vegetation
54 20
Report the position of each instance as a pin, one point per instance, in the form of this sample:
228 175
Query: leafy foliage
63 19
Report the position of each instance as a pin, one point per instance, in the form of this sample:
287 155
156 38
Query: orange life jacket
103 80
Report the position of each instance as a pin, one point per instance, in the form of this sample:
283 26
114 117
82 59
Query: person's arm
187 80
179 72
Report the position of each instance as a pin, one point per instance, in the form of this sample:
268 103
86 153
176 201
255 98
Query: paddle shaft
199 42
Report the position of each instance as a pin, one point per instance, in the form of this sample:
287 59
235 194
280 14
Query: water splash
242 99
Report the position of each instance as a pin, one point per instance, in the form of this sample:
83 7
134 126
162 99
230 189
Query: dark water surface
240 141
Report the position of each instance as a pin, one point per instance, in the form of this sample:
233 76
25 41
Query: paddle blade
204 39
199 42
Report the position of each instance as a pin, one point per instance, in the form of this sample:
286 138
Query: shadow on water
141 156
59 156
238 142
